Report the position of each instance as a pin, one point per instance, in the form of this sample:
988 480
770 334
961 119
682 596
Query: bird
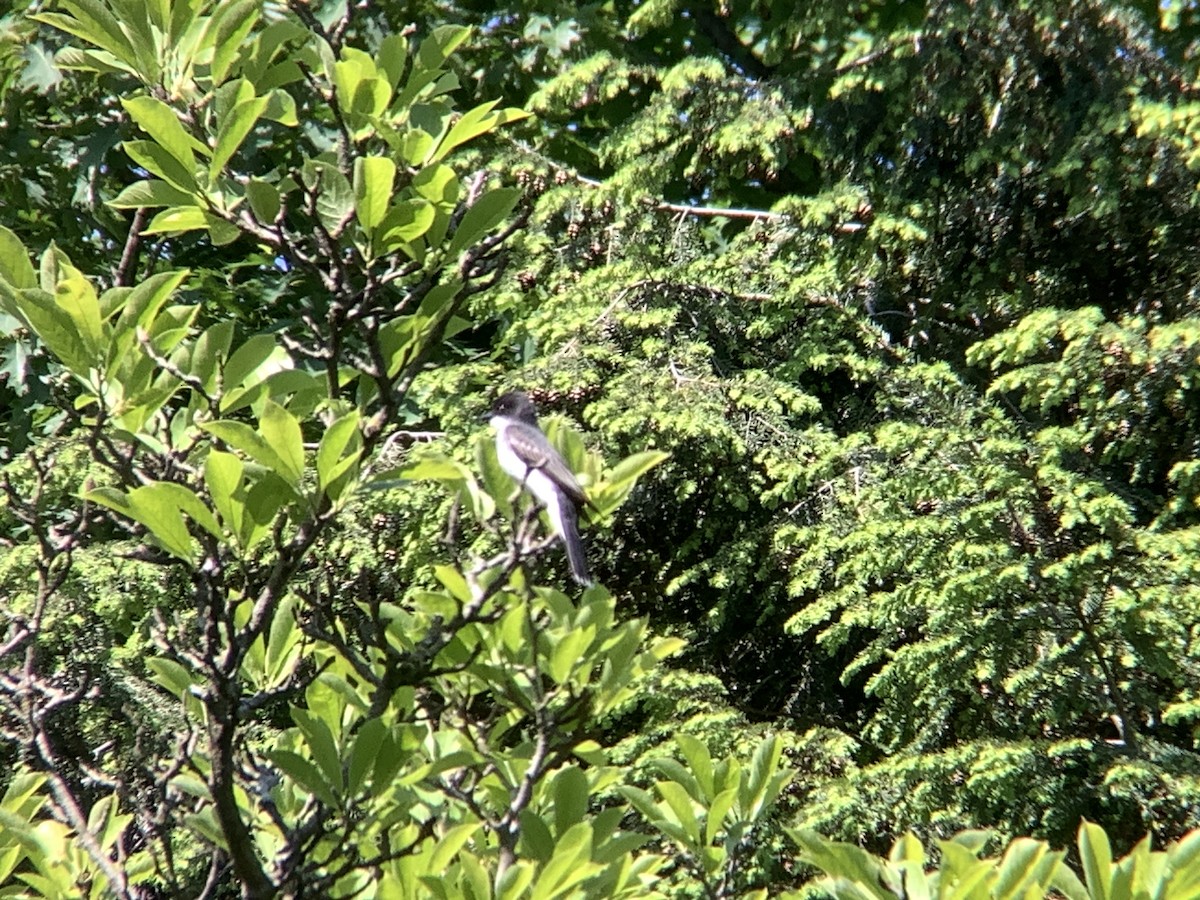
525 453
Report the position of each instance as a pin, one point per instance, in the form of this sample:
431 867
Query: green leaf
171 675
717 811
15 266
438 184
281 430
364 753
77 297
223 478
153 509
150 193
487 212
473 123
182 498
636 465
436 48
144 302
571 797
566 654
319 738
234 128
842 863
449 844
305 774
335 196
91 21
252 363
157 161
403 223
339 449
264 200
53 326
160 122
1095 856
515 880
569 865
699 762
242 437
281 107
233 22
178 219
373 179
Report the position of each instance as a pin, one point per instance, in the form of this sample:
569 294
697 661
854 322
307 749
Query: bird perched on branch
527 455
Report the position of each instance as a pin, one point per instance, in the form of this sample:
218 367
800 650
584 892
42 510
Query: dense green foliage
872 328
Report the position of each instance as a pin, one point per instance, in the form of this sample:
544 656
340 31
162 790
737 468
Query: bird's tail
569 517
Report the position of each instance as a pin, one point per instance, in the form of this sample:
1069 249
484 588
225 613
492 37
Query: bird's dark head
515 405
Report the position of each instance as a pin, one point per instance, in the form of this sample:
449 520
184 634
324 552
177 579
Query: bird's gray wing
533 449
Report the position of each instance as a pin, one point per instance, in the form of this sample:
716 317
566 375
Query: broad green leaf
436 48
207 352
319 738
438 184
567 653
570 798
144 302
569 865
475 122
157 161
181 497
223 478
487 212
364 753
515 881
283 639
404 223
281 107
264 200
1095 856
305 774
76 295
431 467
264 499
160 122
170 674
699 761
681 805
765 778
94 23
150 193
232 23
717 811
234 128
242 437
636 465
338 450
258 359
373 179
53 326
843 864
392 58
449 844
176 219
335 196
415 146
281 430
15 266
160 515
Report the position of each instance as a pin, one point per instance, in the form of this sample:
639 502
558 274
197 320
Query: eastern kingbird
525 454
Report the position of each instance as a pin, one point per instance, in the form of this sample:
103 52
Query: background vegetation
872 327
